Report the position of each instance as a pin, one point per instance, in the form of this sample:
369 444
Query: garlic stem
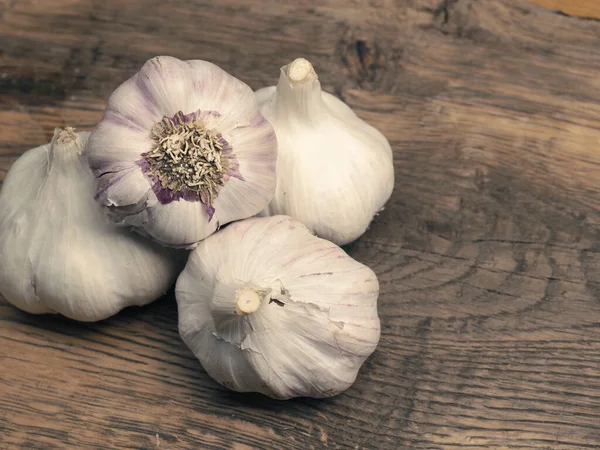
300 71
299 92
64 147
66 136
247 301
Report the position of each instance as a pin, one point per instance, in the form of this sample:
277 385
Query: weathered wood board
488 253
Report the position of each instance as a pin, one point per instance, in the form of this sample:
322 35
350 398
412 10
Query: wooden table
488 253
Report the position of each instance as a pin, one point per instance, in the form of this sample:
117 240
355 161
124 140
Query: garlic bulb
334 171
268 307
58 251
182 149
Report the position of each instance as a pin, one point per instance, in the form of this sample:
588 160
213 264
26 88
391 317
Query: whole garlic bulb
182 148
334 171
58 251
268 307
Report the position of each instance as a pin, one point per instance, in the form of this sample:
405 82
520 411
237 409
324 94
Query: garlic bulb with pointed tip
182 149
58 251
268 307
334 171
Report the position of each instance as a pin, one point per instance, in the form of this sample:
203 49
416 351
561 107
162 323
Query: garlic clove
319 134
131 188
15 222
218 91
117 143
268 307
58 251
165 82
200 140
132 107
166 225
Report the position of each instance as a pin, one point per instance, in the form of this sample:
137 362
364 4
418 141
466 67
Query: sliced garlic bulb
334 171
58 251
182 149
268 307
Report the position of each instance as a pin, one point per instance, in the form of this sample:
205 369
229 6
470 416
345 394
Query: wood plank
488 253
581 8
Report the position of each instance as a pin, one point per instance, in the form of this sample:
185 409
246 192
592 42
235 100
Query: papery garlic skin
334 171
58 251
178 199
315 323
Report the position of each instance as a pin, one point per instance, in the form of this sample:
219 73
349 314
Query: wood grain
582 8
488 253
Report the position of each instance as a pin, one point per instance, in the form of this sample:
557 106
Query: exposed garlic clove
268 307
182 149
58 251
334 171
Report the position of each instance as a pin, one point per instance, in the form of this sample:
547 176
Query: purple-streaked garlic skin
195 101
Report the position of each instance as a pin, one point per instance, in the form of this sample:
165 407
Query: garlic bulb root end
247 301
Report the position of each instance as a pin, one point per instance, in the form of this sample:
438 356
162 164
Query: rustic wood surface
488 253
581 8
